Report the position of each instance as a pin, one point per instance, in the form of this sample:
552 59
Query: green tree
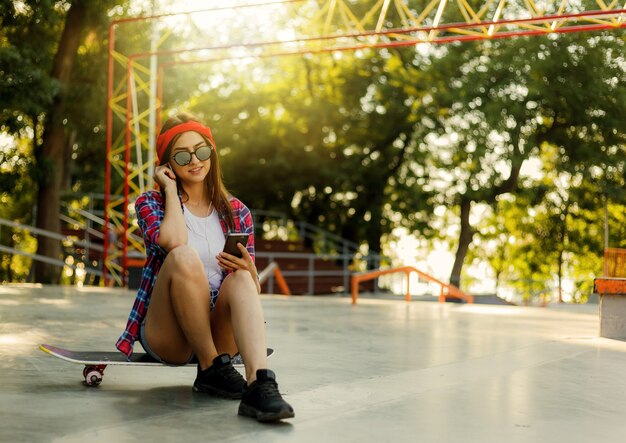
319 138
40 43
16 203
552 230
495 104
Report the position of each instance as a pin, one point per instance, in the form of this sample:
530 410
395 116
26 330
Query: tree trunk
562 248
560 276
465 238
499 270
467 233
51 156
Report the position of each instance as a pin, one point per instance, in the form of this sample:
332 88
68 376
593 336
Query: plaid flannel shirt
150 207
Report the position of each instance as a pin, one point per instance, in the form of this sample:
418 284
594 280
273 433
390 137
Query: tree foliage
496 105
322 144
510 150
48 106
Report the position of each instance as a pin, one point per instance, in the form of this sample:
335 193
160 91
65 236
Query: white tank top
205 235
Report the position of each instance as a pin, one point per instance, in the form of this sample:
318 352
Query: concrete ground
383 370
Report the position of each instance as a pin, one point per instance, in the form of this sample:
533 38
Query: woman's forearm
173 232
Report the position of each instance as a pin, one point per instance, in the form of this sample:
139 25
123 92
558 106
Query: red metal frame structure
339 25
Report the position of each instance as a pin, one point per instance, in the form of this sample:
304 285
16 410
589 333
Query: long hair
213 181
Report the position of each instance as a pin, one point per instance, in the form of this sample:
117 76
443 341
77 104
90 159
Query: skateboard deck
96 361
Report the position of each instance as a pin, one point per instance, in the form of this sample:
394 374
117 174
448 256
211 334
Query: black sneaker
220 379
262 400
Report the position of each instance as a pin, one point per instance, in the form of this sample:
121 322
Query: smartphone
231 243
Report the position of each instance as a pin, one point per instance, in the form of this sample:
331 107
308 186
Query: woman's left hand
230 262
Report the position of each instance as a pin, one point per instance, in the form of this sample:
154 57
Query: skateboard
95 361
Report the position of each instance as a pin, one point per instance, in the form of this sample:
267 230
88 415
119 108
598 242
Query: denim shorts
214 294
154 355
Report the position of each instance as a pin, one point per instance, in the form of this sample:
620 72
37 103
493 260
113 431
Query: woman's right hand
164 177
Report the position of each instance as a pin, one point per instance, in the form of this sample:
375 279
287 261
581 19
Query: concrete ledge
612 292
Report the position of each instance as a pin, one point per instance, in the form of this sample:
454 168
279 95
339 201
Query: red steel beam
447 27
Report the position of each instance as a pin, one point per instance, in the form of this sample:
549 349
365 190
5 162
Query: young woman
194 300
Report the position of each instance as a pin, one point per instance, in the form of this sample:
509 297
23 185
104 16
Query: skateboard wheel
93 375
88 368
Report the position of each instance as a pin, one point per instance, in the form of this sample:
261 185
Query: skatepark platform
379 371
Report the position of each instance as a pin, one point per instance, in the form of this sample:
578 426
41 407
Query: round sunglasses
183 158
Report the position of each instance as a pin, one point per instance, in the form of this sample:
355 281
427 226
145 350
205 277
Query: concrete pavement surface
383 370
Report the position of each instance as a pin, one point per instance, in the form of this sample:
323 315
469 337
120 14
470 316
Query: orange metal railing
615 262
447 290
280 280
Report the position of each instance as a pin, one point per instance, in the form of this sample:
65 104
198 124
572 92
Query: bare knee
184 262
242 278
186 273
239 283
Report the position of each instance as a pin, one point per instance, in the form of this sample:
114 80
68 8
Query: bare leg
178 318
237 322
